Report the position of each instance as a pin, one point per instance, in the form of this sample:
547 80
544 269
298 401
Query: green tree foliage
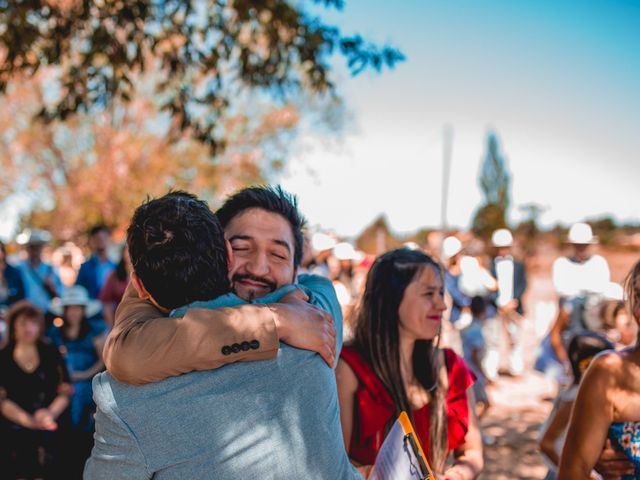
97 168
495 182
205 51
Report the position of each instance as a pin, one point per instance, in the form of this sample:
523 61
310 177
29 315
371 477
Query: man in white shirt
580 273
512 283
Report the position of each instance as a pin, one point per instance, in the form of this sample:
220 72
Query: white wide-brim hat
581 234
450 247
76 295
33 236
346 251
321 242
502 238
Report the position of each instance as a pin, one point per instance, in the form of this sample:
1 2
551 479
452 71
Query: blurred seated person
34 396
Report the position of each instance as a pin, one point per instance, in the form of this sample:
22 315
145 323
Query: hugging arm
468 461
145 346
590 419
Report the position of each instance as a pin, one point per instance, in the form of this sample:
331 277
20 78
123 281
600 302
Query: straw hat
581 234
76 295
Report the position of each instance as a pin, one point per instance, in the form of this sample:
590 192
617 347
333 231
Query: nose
440 305
258 265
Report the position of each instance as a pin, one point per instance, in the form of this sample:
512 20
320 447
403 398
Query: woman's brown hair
23 308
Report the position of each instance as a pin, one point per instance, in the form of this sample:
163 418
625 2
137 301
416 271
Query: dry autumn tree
106 99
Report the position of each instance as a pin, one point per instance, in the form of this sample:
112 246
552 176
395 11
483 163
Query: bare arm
12 412
60 403
555 335
554 430
468 458
145 346
590 419
347 386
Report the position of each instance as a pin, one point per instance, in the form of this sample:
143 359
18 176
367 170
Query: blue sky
557 80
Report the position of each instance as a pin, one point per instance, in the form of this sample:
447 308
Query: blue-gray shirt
274 419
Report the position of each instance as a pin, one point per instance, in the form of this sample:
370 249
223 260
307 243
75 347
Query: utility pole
447 147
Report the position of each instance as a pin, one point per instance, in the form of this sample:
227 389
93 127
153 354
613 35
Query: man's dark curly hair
271 199
177 249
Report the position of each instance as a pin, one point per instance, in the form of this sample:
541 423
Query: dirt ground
521 405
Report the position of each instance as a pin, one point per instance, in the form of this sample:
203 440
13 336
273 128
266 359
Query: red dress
374 409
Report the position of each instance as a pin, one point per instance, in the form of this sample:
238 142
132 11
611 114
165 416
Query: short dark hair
178 250
23 308
478 306
101 227
271 199
582 348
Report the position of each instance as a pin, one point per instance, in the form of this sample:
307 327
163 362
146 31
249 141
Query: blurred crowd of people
54 319
57 309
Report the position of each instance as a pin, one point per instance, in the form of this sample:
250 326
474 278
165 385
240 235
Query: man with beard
264 229
274 419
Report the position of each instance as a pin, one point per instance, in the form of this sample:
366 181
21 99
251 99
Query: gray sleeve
116 453
323 295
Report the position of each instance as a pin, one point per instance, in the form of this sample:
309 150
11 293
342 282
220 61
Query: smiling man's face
263 251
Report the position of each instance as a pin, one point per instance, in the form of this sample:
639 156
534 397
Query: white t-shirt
572 279
504 272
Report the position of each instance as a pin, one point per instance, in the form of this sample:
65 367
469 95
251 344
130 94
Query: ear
144 294
227 244
139 286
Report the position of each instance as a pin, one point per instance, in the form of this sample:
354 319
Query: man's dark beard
238 277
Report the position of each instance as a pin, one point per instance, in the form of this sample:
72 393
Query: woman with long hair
34 395
394 364
607 406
